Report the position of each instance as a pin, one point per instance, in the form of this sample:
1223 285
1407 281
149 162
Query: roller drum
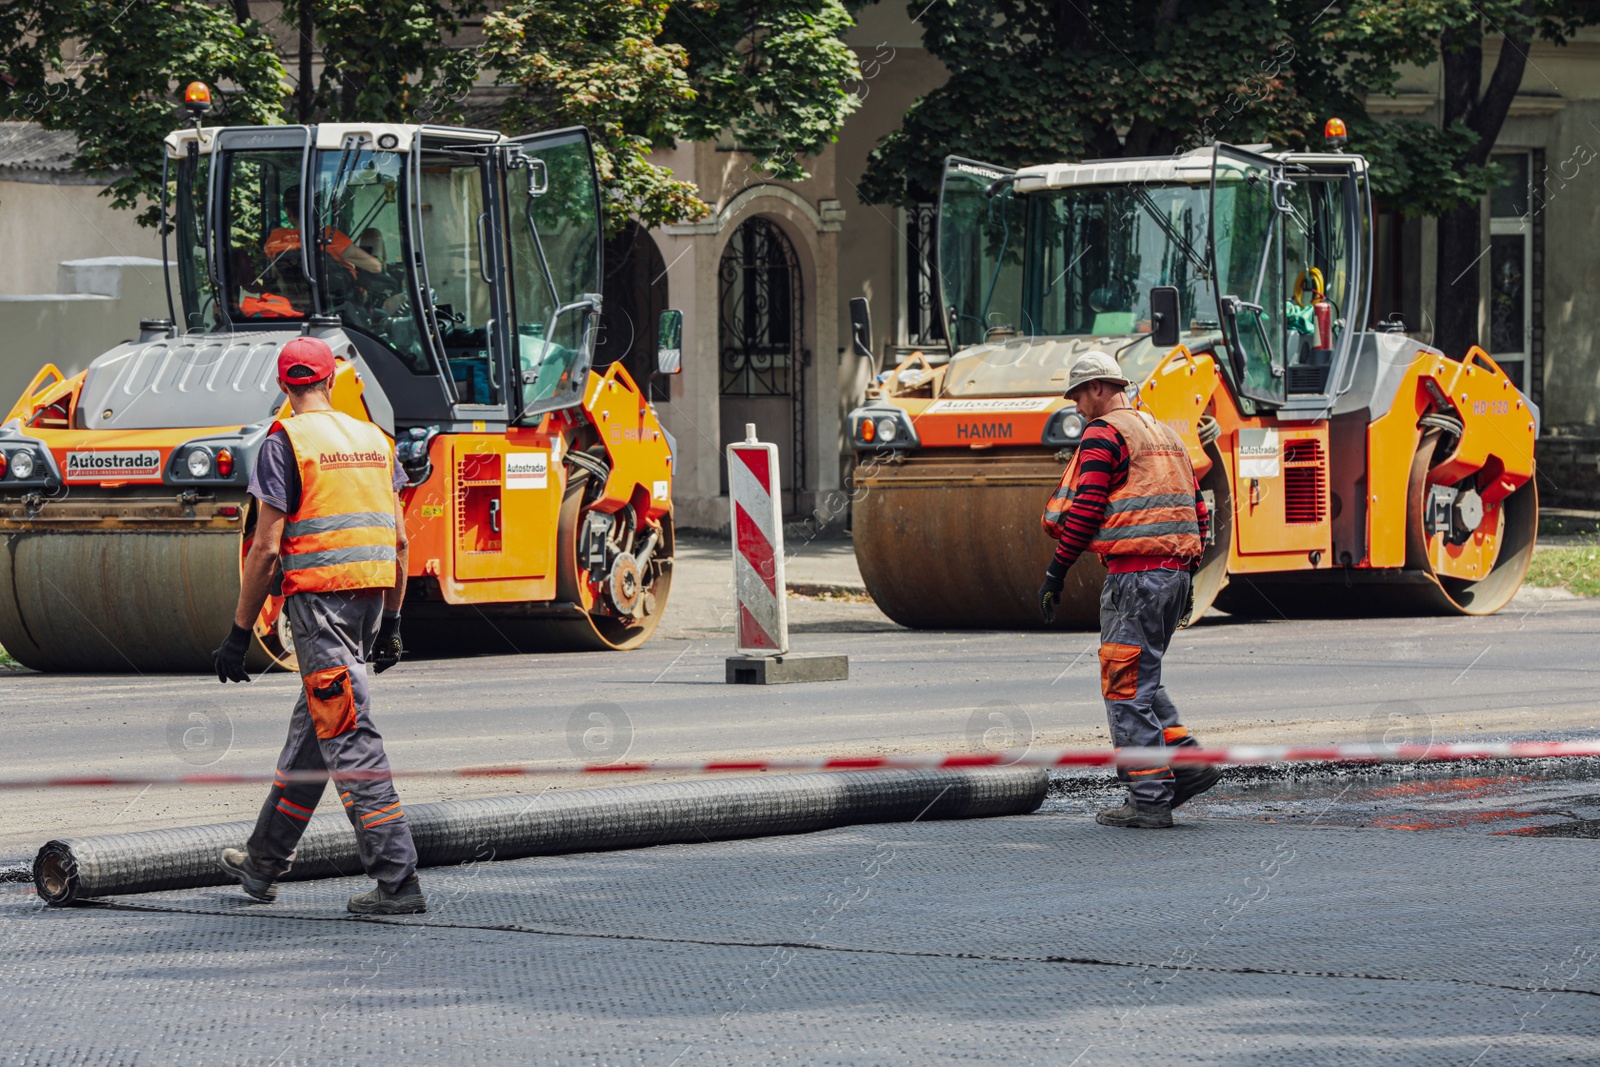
115 601
951 541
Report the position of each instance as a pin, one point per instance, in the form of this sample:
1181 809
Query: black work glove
1188 611
387 649
1055 576
229 659
1049 597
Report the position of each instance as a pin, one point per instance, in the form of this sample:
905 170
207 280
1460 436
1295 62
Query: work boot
1131 815
237 864
407 900
1190 781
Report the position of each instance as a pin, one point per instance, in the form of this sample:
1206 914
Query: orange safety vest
1153 513
269 306
342 536
284 240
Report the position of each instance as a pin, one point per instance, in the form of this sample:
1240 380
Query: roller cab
455 273
1232 286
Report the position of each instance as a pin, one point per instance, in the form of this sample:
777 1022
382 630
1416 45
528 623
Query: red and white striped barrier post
761 629
754 493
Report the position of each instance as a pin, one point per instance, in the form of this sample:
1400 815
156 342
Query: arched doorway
635 294
760 339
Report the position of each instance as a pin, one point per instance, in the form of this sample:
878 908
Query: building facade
765 280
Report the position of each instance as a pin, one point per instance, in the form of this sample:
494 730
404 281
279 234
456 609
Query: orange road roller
1351 468
456 274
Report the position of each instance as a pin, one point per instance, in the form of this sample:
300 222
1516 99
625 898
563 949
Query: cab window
981 234
553 248
1247 248
189 238
1318 257
450 204
262 274
360 263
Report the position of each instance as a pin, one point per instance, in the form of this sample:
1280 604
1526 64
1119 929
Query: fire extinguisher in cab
1322 313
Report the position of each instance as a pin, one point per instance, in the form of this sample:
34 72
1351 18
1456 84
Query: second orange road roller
455 273
1350 467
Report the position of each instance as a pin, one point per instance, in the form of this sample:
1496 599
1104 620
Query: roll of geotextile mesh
579 820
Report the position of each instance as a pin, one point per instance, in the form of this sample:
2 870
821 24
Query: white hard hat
1094 367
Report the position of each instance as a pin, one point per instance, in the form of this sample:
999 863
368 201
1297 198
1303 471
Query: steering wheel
341 286
379 287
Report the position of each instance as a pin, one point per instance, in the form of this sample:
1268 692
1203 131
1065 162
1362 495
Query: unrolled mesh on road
587 820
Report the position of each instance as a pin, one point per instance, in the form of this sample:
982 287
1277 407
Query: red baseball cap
305 361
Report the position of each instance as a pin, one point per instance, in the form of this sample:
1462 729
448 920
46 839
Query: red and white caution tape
1061 757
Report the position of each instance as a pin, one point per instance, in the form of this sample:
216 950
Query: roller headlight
883 428
199 463
22 464
1064 428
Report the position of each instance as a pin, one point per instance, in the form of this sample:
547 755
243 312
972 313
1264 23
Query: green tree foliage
111 74
1036 80
772 73
641 74
385 60
598 63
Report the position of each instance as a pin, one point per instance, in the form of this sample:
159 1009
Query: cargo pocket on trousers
1119 671
332 704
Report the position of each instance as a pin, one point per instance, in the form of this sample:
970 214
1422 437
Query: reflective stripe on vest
1153 512
343 534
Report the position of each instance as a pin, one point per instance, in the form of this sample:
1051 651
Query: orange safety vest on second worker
342 536
1153 513
284 239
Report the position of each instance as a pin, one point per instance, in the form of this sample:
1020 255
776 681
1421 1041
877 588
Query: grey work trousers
1139 612
331 729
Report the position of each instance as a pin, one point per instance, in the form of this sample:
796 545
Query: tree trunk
1457 293
306 91
241 11
349 94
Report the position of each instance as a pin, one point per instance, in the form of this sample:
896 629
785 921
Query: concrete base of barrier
791 667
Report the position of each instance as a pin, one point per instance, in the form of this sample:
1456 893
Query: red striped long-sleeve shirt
1102 470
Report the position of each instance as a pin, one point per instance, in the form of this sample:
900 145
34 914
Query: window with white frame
1511 234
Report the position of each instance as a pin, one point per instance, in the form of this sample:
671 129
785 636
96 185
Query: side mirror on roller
669 344
1166 316
861 326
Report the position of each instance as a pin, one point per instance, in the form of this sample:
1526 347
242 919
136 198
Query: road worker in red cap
1130 495
330 520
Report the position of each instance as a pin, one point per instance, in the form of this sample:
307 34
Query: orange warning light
197 93
1334 133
